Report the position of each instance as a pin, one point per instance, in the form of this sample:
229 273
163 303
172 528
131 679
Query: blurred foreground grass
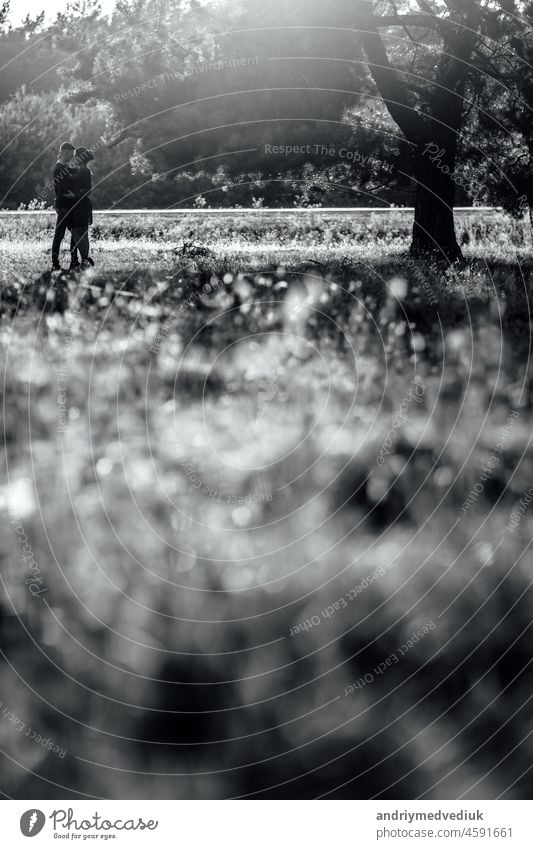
212 439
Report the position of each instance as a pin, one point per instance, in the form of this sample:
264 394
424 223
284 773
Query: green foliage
26 52
500 139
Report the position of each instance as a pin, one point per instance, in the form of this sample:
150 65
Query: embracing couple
72 181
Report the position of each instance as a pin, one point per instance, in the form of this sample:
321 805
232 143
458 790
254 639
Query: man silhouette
63 200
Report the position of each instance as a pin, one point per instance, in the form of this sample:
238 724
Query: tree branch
387 79
122 135
420 19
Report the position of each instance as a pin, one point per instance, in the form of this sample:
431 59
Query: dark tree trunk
434 132
434 228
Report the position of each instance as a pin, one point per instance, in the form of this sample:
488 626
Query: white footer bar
266 824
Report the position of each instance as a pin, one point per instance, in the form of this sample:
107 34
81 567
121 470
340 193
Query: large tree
428 92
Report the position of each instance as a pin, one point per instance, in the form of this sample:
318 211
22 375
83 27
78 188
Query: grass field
252 458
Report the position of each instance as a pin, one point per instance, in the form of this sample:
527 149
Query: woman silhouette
81 215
